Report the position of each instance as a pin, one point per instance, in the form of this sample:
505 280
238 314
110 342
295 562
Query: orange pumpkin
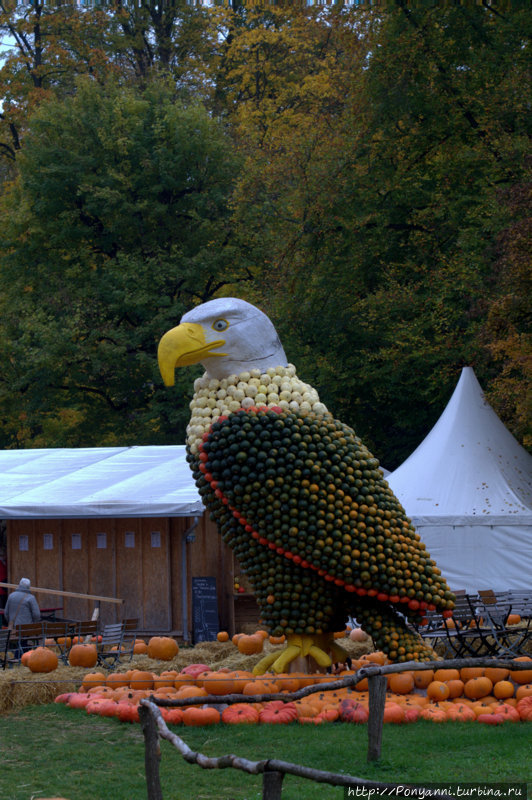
163 648
525 690
240 713
503 690
165 679
466 673
422 678
522 676
83 655
447 675
191 691
496 674
196 716
141 679
401 682
277 639
222 636
261 686
42 660
117 679
140 647
456 688
278 713
433 714
249 645
393 712
93 679
513 619
477 688
172 716
524 708
438 690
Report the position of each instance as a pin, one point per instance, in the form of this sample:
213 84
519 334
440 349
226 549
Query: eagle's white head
227 336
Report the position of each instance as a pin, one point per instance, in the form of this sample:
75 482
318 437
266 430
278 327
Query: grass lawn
53 750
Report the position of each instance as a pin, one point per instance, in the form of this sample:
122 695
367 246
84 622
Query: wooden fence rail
273 770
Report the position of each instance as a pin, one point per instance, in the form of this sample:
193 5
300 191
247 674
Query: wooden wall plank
129 568
75 541
102 566
156 582
49 562
21 563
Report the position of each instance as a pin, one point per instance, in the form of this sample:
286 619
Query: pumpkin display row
490 695
297 495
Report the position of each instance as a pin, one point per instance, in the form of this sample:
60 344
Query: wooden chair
26 637
110 646
130 636
86 630
61 633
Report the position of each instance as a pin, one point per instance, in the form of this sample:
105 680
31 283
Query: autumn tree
117 224
386 236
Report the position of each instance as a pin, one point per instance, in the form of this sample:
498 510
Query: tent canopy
97 482
468 490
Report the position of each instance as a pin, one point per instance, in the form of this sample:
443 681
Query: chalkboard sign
204 610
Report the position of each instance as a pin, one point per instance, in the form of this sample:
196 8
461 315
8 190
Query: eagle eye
220 325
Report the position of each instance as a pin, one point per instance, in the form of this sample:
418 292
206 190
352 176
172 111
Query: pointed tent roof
469 469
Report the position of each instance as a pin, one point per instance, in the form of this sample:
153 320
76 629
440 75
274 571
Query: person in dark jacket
21 609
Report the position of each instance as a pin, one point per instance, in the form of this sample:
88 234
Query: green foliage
388 200
117 224
377 179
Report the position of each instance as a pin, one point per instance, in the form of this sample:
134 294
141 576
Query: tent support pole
188 536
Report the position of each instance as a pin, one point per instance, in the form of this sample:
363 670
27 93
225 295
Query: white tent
97 482
468 490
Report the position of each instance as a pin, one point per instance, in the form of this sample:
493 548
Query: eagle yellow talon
301 645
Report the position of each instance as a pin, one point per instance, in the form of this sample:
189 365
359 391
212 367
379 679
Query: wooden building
117 522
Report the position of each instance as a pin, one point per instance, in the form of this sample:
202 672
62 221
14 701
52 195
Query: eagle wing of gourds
313 521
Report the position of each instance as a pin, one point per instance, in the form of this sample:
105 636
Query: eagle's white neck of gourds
277 386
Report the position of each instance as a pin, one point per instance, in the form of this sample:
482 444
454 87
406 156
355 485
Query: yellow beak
182 346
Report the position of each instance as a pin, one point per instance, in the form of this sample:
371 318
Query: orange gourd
163 648
477 688
393 712
117 679
240 713
437 690
42 660
196 716
93 679
401 682
422 678
433 714
447 675
496 674
456 688
523 691
250 645
466 673
261 686
277 639
278 713
503 690
141 679
83 655
522 676
524 708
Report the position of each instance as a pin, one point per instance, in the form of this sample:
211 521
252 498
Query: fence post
152 753
377 697
271 785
